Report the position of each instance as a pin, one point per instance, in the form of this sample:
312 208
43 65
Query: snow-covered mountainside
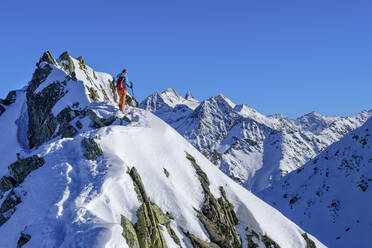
252 148
76 172
331 195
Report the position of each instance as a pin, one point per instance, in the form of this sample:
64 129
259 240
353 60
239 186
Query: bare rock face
20 169
7 208
92 148
217 216
146 232
11 98
24 239
43 124
2 110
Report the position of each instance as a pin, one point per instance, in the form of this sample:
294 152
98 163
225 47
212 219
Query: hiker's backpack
120 83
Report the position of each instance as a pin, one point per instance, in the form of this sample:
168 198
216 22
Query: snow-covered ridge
81 199
250 147
86 175
331 195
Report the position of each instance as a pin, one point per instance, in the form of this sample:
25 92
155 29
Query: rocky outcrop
20 169
11 98
7 207
146 232
129 233
147 226
41 122
197 243
2 110
98 122
67 63
131 101
217 216
309 242
268 242
24 239
92 148
66 130
6 183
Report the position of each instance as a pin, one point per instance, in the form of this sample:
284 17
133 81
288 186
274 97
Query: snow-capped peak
225 99
252 147
331 194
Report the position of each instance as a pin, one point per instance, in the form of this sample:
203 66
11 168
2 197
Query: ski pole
131 86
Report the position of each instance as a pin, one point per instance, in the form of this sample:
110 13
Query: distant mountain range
331 195
253 149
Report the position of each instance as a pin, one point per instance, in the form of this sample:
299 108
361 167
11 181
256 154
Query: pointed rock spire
189 96
47 57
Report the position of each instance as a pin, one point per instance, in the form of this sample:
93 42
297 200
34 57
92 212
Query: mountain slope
90 176
252 148
330 195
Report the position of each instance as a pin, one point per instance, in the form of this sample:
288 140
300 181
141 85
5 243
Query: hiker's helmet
125 71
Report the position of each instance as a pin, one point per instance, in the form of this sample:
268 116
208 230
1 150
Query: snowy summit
80 173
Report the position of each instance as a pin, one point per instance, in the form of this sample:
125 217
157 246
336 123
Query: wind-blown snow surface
252 148
74 202
331 195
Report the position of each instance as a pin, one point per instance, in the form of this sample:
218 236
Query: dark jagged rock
11 98
105 96
24 239
20 169
197 243
70 66
2 110
93 94
92 148
129 233
98 122
166 172
7 183
147 228
10 202
309 242
217 216
251 243
48 58
79 125
131 101
64 118
7 208
69 132
150 217
81 63
215 157
203 178
2 220
269 243
41 122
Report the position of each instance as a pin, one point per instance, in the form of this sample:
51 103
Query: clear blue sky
287 57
